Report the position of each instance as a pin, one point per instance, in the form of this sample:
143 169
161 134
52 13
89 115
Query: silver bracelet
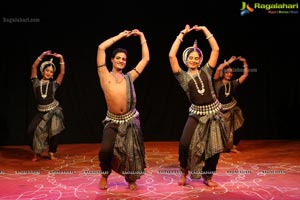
211 35
181 40
143 42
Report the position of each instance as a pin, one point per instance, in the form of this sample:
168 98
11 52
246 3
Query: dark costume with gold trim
232 112
47 123
204 135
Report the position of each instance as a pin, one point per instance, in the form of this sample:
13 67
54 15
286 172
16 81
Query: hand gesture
232 59
125 33
136 32
186 29
57 55
242 59
198 28
46 53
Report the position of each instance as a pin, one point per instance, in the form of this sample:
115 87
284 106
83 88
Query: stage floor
265 169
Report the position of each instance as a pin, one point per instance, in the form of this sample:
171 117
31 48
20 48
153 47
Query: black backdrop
269 98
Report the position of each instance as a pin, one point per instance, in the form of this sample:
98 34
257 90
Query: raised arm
37 62
174 49
135 72
101 54
244 76
61 74
222 66
214 55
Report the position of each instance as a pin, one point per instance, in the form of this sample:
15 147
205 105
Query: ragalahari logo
270 8
246 9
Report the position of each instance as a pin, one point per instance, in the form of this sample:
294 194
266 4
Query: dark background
269 97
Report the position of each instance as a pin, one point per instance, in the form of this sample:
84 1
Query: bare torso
115 94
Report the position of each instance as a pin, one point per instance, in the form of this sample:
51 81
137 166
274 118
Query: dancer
204 136
47 123
226 91
122 147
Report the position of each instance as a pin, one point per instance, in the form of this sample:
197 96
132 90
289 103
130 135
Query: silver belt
206 109
48 107
120 119
229 105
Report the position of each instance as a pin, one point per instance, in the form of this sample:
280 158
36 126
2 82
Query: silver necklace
227 93
44 95
202 84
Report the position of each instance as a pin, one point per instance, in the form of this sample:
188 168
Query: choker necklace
118 80
227 93
202 84
44 95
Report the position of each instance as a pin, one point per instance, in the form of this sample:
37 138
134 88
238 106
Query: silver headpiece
188 50
47 64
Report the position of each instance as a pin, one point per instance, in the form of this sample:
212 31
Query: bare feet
52 156
132 186
234 150
103 183
210 183
182 180
36 157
